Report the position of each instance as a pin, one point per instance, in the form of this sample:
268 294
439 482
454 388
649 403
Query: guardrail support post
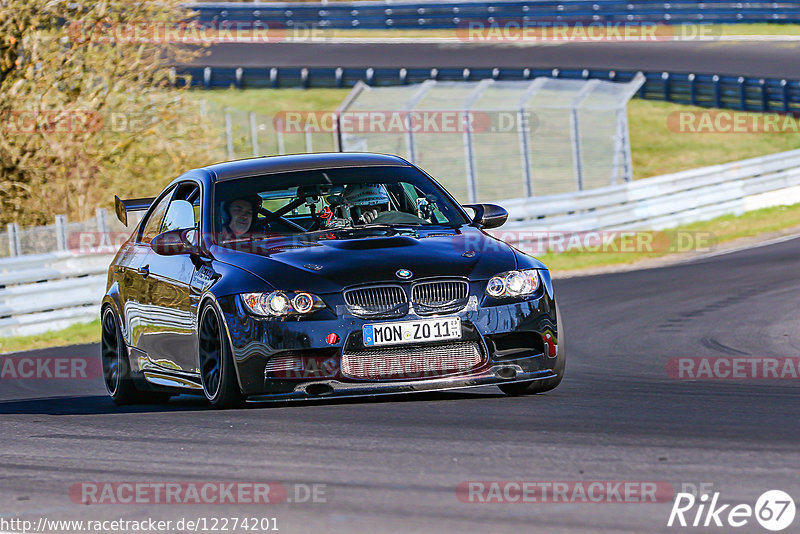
309 145
717 92
764 95
102 227
254 134
229 135
785 95
279 136
61 232
14 247
692 89
742 94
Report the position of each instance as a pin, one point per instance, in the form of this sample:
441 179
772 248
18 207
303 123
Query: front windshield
304 202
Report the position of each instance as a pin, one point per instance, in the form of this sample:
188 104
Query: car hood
325 262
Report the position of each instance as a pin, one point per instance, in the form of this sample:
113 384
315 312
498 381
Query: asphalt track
737 58
394 465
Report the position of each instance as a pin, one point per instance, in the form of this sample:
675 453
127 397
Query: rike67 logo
774 510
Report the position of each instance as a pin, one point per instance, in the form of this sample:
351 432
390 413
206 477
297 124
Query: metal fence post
14 247
469 148
61 232
524 132
229 135
254 134
577 163
469 158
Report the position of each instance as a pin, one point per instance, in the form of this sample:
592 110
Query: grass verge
76 334
720 230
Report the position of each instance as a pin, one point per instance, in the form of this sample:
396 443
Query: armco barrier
454 14
43 292
665 201
49 291
707 90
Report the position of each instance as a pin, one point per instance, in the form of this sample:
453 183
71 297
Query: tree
89 106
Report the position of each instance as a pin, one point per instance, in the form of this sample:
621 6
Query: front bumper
513 340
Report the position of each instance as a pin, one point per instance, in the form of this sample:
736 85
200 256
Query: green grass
76 334
272 101
716 231
656 149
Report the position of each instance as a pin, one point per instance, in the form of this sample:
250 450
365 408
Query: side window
184 210
152 226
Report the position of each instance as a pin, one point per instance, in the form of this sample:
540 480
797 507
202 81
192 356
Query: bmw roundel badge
405 274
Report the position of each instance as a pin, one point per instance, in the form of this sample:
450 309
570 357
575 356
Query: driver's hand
368 216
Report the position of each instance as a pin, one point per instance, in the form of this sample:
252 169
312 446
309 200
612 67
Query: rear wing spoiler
122 207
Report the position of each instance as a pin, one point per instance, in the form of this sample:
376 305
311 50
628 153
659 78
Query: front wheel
217 373
540 386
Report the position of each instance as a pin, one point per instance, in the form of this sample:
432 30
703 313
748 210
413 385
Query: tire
116 367
540 386
215 361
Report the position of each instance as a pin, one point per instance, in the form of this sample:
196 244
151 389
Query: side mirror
175 242
488 215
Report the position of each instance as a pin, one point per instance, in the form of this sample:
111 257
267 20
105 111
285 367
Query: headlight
513 284
282 303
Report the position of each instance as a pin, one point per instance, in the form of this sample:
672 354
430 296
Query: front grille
410 363
376 300
440 295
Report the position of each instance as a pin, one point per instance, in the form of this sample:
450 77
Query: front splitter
326 389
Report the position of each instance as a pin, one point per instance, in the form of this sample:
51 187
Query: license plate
421 331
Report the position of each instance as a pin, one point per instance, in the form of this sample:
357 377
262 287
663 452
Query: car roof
301 162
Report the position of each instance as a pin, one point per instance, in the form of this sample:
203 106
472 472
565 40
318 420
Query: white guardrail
50 291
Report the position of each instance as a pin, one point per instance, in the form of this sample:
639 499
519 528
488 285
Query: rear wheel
540 386
217 373
116 368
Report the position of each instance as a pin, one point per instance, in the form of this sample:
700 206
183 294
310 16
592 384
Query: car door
136 274
169 337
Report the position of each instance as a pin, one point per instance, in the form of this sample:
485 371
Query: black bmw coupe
321 275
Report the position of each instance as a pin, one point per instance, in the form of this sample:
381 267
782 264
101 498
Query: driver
366 201
238 216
